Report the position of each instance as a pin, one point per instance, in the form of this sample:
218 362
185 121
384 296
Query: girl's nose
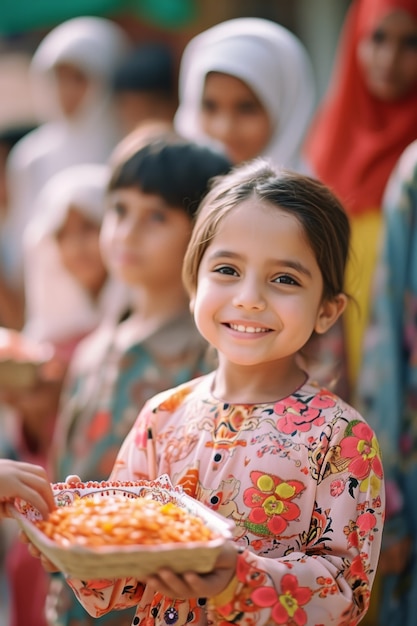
388 57
130 229
222 126
249 296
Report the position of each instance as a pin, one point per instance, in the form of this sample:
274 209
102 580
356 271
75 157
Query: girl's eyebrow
224 254
295 265
282 263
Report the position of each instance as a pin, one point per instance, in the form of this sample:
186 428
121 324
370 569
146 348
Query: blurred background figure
247 87
72 67
11 305
152 196
388 390
366 120
68 293
145 86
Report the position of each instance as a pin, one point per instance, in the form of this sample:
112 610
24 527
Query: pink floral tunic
302 480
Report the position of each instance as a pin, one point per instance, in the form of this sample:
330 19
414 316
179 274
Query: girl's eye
119 209
285 280
226 270
411 42
157 216
378 36
248 108
208 106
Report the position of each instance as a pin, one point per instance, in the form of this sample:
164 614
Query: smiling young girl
295 467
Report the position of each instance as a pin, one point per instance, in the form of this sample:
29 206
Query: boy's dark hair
179 171
150 67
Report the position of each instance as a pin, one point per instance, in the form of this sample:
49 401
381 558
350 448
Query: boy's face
143 240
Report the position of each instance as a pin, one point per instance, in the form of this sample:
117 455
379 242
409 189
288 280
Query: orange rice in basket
121 521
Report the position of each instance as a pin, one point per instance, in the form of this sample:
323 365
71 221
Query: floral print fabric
302 480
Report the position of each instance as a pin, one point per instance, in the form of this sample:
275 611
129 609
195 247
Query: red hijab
356 139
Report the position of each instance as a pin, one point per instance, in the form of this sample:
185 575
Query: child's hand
47 565
192 585
26 481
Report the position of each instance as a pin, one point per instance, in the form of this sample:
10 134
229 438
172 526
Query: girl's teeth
247 329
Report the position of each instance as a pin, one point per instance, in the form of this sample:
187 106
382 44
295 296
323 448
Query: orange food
121 521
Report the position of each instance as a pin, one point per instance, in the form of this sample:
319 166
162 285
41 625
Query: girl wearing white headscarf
73 66
58 304
271 62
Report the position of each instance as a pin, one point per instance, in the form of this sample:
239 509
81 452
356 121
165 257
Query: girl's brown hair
321 214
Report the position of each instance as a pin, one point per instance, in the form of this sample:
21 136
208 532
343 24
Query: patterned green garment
388 381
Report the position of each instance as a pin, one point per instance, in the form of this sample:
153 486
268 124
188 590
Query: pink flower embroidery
271 501
297 415
366 523
363 450
337 487
323 400
287 605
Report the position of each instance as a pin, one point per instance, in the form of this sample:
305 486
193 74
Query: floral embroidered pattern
271 501
286 604
300 414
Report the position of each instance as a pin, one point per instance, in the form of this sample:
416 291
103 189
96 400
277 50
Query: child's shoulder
91 350
171 399
328 402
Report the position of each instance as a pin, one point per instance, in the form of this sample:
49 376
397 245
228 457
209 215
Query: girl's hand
26 481
47 565
193 585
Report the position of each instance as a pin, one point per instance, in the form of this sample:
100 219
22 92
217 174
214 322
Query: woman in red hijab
368 117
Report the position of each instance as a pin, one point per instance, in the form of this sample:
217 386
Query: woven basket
128 561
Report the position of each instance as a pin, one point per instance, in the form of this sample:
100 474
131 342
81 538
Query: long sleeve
328 579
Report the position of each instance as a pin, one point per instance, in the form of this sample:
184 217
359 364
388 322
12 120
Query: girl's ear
192 303
329 312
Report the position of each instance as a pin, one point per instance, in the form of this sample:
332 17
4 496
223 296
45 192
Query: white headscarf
95 46
57 307
271 61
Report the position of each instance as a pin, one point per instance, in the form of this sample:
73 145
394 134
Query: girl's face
388 57
72 86
259 293
144 240
78 242
233 115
